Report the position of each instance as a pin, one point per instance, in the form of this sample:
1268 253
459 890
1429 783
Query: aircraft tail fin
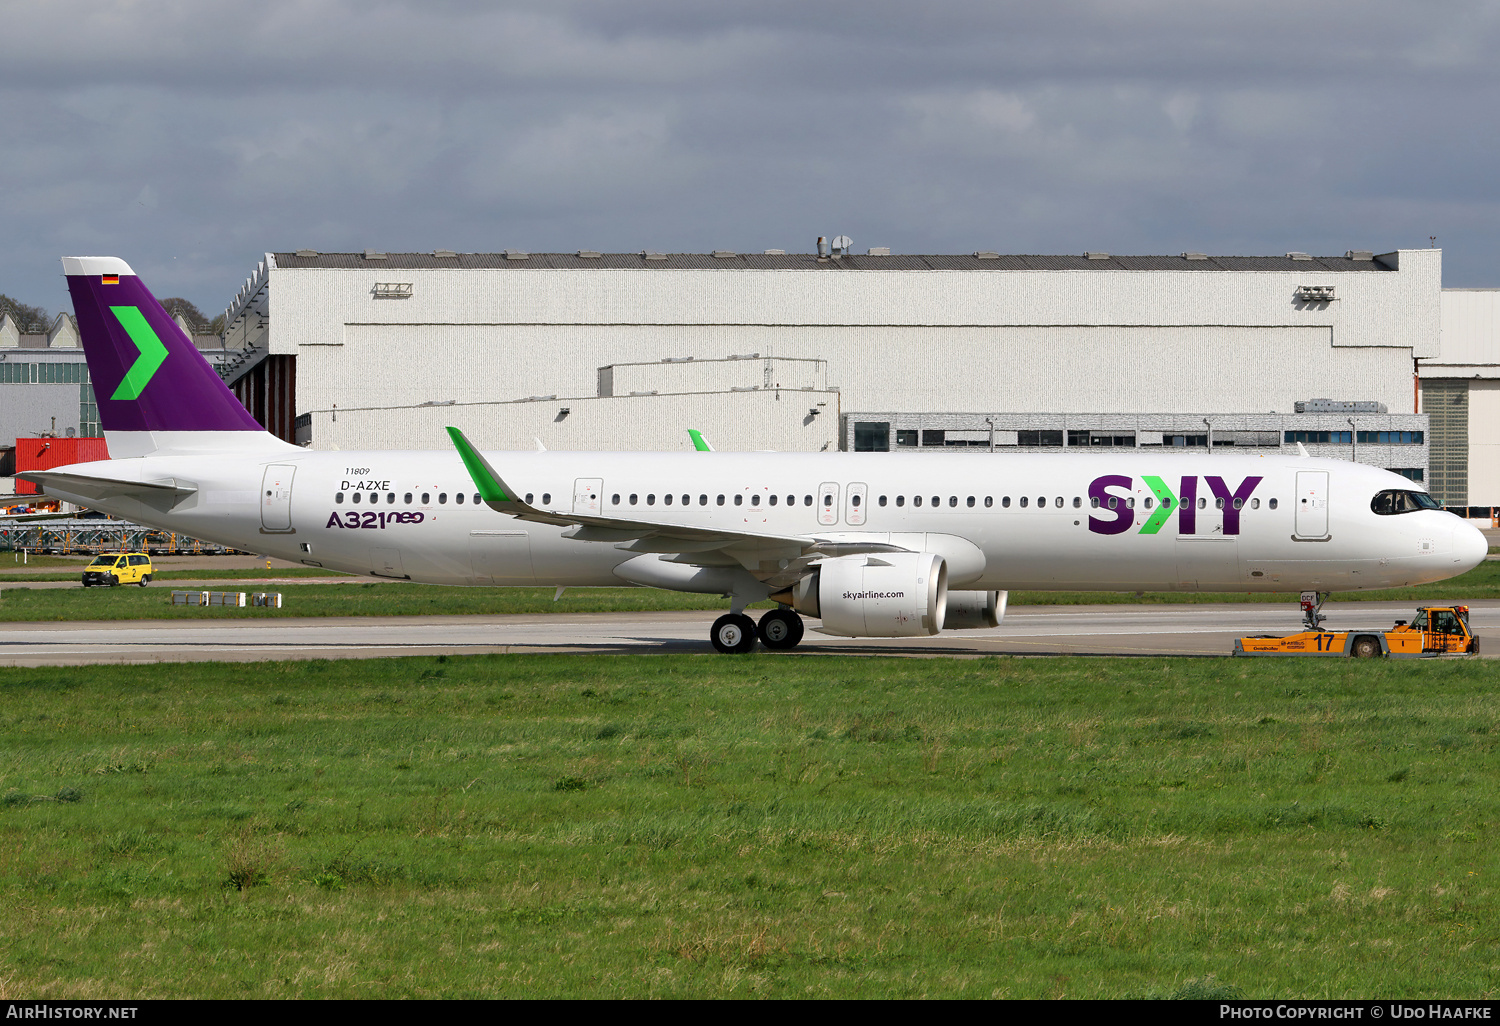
154 390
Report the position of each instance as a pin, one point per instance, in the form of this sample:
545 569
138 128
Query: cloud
189 137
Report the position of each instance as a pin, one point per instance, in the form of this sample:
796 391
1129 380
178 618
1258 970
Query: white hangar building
864 352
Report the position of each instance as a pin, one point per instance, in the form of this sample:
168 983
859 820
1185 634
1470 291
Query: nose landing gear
1312 604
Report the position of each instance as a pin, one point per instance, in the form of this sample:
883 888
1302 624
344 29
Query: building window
906 438
872 436
1319 437
937 437
1039 438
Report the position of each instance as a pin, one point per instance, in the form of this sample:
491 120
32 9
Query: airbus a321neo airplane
876 545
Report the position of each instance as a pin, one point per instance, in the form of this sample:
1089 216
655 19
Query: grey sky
190 137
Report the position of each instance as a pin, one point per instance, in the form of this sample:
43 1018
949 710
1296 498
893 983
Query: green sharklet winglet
491 488
152 352
699 442
1165 503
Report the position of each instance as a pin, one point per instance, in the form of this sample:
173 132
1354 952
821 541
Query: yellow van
125 568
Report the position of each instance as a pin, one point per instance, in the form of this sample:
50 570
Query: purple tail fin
148 376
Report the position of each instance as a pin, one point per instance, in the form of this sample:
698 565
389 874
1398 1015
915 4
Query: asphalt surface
1122 630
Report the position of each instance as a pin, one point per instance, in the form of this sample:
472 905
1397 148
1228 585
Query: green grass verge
372 599
693 826
389 599
184 575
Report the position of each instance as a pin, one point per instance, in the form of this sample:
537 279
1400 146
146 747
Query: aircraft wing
776 558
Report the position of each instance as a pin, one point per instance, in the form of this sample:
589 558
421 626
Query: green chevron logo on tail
153 353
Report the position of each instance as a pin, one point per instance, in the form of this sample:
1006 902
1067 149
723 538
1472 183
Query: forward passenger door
1311 520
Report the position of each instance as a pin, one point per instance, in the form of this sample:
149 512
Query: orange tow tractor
1436 630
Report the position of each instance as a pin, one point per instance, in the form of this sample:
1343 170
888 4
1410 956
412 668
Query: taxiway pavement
1124 630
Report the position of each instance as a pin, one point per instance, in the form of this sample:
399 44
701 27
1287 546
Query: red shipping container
46 453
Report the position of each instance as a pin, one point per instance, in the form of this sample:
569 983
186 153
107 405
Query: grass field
388 599
688 826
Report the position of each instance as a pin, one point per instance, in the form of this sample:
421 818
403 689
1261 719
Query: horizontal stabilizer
92 487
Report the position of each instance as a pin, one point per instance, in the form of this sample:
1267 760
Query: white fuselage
1307 524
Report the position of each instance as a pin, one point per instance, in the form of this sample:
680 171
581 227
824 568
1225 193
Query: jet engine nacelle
975 610
892 595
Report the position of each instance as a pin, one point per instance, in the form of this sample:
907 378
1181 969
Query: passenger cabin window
406 498
1024 501
900 500
1005 502
427 498
916 500
989 500
459 498
338 497
739 500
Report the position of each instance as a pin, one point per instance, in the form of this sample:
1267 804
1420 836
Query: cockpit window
1393 502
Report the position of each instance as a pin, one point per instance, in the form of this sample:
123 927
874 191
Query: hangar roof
811 262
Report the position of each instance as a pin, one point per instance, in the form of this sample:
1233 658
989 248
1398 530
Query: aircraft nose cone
1470 546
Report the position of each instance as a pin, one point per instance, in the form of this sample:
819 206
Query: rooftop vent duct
307 254
1339 406
725 254
651 254
775 252
824 250
445 254
588 254
1359 254
517 254
879 251
984 254
374 254
1195 256
1097 256
1294 255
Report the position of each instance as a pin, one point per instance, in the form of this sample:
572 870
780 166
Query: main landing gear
736 632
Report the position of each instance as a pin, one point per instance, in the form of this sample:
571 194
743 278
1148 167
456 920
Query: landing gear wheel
733 632
1365 648
780 629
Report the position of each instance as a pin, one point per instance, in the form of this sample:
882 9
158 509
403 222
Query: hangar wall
382 338
1087 368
